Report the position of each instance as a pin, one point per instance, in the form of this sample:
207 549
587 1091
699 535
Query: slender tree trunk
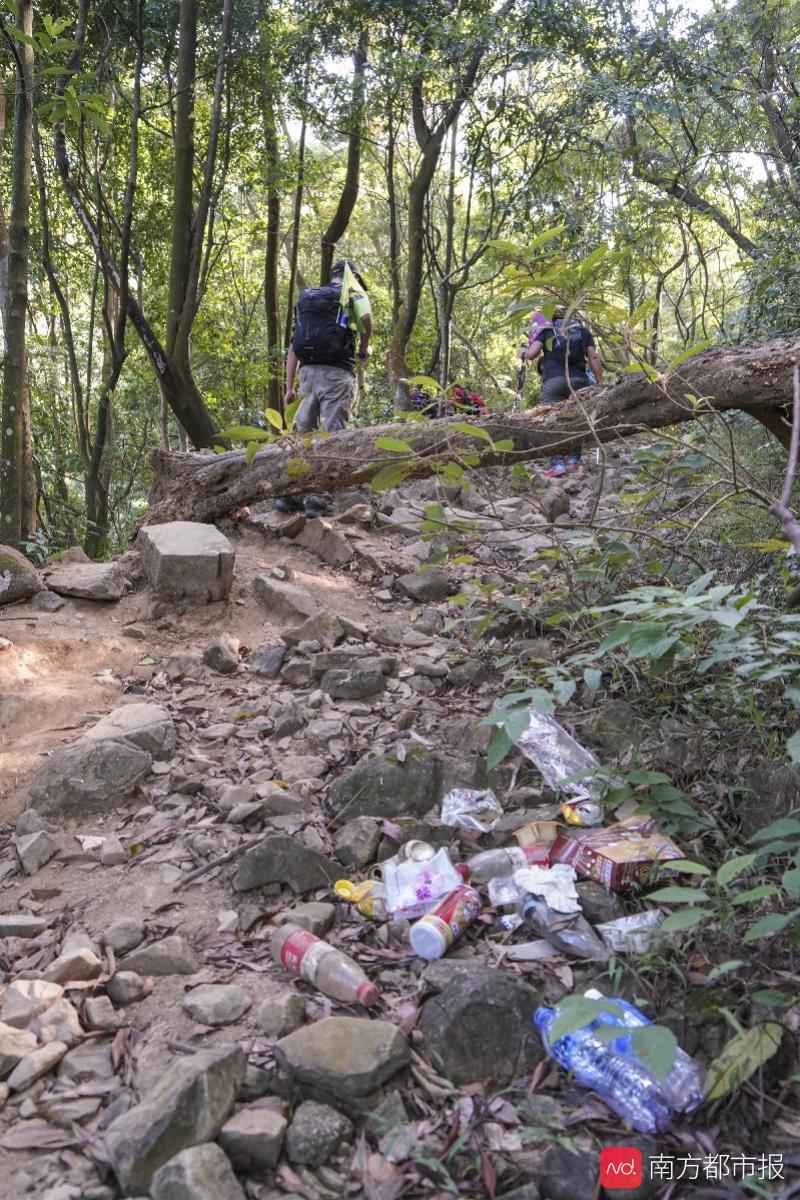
28 484
15 394
183 188
445 288
394 229
296 222
3 226
272 170
347 200
98 472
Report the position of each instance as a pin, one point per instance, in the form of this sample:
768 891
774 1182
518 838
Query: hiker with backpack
323 352
567 352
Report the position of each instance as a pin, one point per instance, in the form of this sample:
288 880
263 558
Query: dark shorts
557 389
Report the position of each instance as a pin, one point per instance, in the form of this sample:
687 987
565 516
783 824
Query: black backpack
319 334
569 342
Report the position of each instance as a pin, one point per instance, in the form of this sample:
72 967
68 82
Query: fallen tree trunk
754 379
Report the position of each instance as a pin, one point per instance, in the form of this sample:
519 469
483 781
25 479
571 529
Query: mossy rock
19 579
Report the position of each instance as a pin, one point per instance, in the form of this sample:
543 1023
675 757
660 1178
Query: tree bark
755 379
3 226
347 200
272 172
15 391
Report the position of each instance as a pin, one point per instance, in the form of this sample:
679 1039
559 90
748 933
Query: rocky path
182 776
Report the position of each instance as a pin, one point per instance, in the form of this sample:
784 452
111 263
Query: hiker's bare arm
366 333
291 371
595 363
533 352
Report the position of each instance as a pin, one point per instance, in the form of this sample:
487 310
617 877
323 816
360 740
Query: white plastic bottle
433 935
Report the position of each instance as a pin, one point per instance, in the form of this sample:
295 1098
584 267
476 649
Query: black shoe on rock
288 504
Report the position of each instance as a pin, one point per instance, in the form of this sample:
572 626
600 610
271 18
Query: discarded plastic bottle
616 1073
499 864
433 935
570 933
368 897
305 955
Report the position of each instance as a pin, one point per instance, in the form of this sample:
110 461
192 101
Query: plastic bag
571 934
632 935
413 888
555 885
562 761
470 809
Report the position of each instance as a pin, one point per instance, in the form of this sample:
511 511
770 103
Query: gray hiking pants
326 397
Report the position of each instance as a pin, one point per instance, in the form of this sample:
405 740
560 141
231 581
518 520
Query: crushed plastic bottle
571 934
499 864
564 763
615 1072
305 955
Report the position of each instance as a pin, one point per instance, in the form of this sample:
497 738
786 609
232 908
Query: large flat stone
148 726
327 543
382 787
188 1107
187 560
343 1058
202 1173
284 601
282 859
170 956
19 579
88 777
88 581
253 1139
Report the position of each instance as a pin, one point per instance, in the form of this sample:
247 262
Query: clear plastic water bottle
615 1072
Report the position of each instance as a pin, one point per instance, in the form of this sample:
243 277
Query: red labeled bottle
433 935
307 956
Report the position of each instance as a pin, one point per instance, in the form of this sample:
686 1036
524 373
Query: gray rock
88 776
280 1012
480 1027
381 787
342 659
99 1013
88 581
566 1176
388 1115
257 1083
281 859
178 666
21 925
112 852
31 821
88 1063
267 660
322 539
554 503
597 903
243 813
200 1173
40 1062
471 673
34 850
189 1105
357 842
216 1003
316 917
15 1044
222 655
148 726
233 795
19 579
47 601
127 987
58 1023
73 554
528 1191
253 1138
296 767
323 627
342 1058
297 673
278 802
316 1132
171 956
353 685
25 999
427 587
284 601
617 727
187 560
74 966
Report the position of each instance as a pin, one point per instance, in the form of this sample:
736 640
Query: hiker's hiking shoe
556 469
316 506
288 504
573 462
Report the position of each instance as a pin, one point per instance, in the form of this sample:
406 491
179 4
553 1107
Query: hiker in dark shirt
567 353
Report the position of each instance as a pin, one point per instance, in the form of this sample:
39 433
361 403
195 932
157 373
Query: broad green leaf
725 968
576 1011
791 882
785 827
390 476
244 433
615 637
734 867
291 413
679 895
397 445
773 999
592 678
741 1058
689 353
296 467
500 745
685 866
275 419
686 918
769 926
469 430
656 1046
753 895
426 382
648 777
250 451
505 444
650 640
